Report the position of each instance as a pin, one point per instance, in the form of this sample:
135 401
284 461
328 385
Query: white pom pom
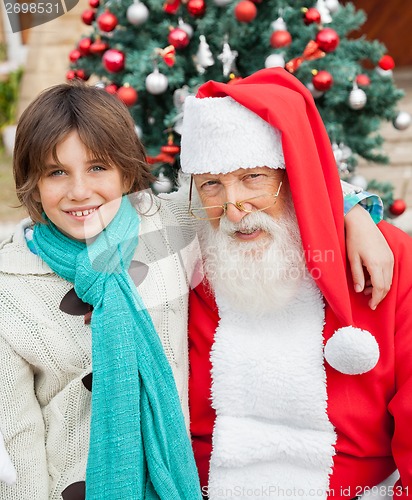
352 351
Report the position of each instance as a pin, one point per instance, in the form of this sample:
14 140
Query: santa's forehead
240 172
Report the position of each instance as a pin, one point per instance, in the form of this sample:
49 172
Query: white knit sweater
45 353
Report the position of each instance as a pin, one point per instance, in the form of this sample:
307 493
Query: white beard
257 276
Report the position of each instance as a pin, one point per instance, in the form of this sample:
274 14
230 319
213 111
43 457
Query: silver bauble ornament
279 25
357 98
185 27
402 120
100 85
315 92
359 181
137 13
275 61
156 82
138 131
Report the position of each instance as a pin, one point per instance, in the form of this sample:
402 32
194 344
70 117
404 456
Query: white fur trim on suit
352 351
272 433
220 136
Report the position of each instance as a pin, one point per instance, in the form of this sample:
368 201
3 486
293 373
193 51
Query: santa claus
297 388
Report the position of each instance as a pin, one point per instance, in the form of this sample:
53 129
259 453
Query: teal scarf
139 447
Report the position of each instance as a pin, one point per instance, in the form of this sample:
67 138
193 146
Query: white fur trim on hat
219 136
352 351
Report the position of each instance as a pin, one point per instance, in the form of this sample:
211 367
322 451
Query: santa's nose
233 213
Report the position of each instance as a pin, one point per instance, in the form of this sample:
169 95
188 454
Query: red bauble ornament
107 21
311 16
88 16
74 55
98 47
70 75
363 80
178 38
322 81
84 46
397 207
111 88
127 94
113 60
171 6
245 11
94 3
327 39
280 38
196 8
80 73
386 62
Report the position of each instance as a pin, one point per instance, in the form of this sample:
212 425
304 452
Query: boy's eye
97 168
56 173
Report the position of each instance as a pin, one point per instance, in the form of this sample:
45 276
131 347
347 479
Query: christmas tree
152 55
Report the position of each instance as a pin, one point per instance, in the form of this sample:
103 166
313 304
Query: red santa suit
301 403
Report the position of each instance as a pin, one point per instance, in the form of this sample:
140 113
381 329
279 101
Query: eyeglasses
202 213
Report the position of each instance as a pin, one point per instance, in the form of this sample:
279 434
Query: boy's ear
127 185
36 196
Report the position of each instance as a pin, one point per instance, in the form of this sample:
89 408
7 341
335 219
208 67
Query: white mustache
250 222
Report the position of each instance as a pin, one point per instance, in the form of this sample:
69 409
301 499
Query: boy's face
81 197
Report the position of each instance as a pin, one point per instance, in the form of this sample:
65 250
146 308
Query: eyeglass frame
237 204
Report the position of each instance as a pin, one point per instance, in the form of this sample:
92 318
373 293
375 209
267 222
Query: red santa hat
270 119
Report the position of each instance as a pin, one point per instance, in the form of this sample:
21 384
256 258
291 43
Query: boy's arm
367 250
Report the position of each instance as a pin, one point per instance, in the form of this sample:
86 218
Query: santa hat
270 119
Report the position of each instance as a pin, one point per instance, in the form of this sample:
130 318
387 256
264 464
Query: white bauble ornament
185 27
342 153
315 92
402 120
279 25
221 3
357 98
139 131
359 181
332 5
137 13
163 184
386 73
156 82
100 85
275 61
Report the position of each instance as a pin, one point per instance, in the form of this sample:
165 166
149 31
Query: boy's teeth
81 213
